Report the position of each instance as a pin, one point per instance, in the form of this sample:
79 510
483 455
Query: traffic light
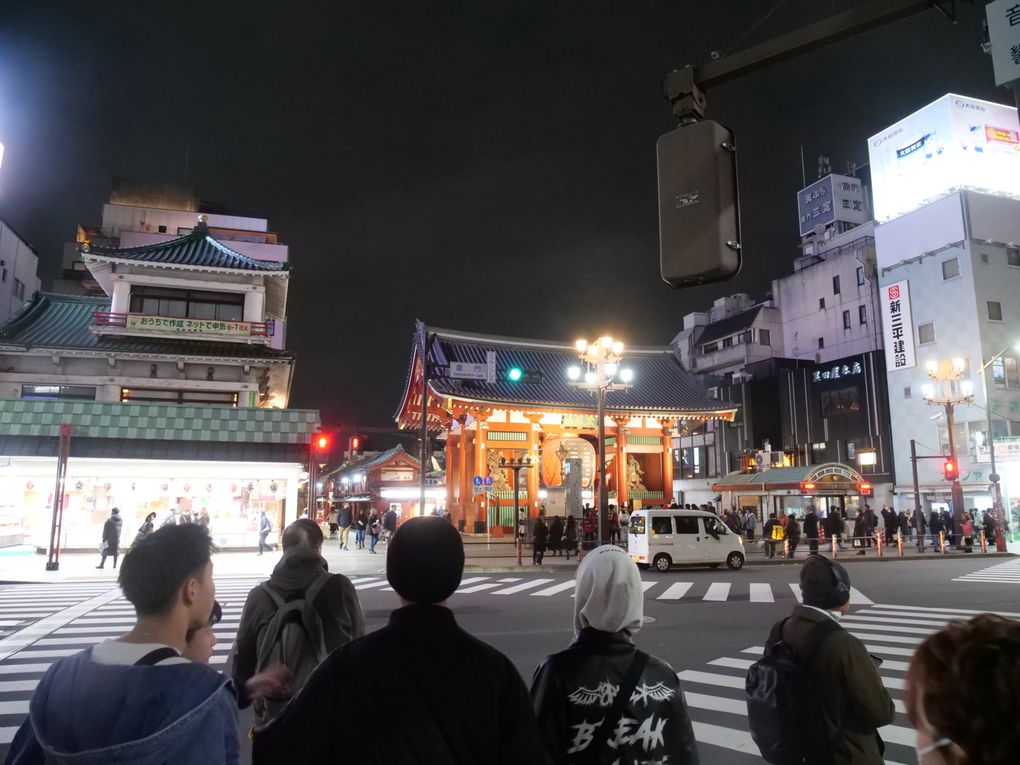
950 470
321 442
355 443
699 220
514 374
521 375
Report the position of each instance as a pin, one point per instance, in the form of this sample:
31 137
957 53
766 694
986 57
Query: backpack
786 719
778 532
294 637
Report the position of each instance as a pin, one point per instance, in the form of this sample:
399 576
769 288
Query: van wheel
735 561
662 562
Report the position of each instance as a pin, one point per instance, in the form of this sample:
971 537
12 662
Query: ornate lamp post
517 464
599 374
948 389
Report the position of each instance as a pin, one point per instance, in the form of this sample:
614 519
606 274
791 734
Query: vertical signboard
1004 36
898 327
833 198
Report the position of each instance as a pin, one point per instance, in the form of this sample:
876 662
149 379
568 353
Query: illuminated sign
837 372
201 326
952 143
897 326
833 198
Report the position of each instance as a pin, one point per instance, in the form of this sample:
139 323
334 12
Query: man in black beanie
845 677
447 698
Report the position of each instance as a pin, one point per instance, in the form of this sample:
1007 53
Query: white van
664 538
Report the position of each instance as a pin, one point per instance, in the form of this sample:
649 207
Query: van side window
714 526
686 525
661 525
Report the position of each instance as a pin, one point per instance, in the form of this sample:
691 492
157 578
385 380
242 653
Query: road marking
796 592
711 678
846 621
554 589
886 638
524 586
478 587
929 609
7 734
732 663
761 593
22 669
646 586
676 591
14 707
728 738
889 650
881 618
12 645
511 579
859 598
18 686
715 703
718 591
471 580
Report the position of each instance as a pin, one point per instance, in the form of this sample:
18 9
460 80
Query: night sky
487 166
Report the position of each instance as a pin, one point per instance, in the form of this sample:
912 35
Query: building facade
385 481
19 271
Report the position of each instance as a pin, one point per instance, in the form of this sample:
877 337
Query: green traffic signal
514 374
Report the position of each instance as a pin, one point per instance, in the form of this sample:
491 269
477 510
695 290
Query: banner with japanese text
897 326
198 326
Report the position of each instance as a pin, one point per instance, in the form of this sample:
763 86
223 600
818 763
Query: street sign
478 489
490 366
475 370
1004 36
488 481
477 480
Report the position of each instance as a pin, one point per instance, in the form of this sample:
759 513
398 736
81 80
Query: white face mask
926 750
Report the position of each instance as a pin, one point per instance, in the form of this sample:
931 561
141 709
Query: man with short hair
136 699
462 700
345 520
334 600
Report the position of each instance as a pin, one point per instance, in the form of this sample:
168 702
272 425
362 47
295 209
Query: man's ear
189 591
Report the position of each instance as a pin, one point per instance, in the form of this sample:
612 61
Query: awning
832 477
356 498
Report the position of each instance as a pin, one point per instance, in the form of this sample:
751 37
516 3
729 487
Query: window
860 275
984 258
187 304
727 342
999 372
926 333
162 229
840 402
59 392
862 314
821 343
846 320
662 524
18 290
835 285
745 337
821 304
907 393
687 525
764 337
3 276
1012 255
994 310
165 396
710 348
1012 372
693 462
950 268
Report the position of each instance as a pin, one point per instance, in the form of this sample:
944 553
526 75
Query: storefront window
840 402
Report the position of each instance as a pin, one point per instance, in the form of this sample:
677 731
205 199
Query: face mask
925 751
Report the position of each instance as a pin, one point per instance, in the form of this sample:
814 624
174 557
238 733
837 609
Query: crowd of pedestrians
302 658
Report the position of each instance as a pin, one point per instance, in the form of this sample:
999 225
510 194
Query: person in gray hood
602 700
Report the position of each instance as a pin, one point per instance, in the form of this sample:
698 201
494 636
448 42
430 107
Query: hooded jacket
573 690
337 605
111 531
86 713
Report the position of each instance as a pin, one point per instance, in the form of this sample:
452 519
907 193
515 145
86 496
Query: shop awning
149 449
828 478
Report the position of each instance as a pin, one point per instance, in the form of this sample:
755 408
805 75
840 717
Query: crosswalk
664 589
715 692
1003 573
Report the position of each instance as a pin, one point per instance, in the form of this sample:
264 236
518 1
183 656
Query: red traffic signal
321 441
355 443
950 470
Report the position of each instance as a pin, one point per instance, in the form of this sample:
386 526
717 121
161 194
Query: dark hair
967 666
150 517
158 565
214 618
304 532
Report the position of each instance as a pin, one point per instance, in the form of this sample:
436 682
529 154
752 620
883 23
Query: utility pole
57 524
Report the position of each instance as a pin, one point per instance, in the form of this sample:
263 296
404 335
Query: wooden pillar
667 462
451 471
463 473
620 462
478 506
534 503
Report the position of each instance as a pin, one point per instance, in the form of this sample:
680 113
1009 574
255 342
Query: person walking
539 537
328 604
442 676
846 682
570 537
811 529
793 535
555 536
145 529
389 524
110 544
374 528
265 526
360 528
579 720
345 520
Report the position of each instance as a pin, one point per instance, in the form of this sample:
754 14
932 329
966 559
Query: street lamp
600 373
946 379
517 464
1000 534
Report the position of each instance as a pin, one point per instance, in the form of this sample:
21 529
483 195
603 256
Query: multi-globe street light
599 373
948 389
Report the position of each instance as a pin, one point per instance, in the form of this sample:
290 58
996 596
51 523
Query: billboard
952 143
897 326
833 198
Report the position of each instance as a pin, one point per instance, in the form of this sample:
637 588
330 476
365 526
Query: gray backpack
293 637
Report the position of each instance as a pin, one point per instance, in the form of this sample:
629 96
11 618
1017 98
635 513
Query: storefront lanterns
807 486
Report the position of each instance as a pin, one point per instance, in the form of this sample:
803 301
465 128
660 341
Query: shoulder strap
278 600
316 586
156 656
623 694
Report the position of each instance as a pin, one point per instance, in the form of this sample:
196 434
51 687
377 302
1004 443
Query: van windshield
637 524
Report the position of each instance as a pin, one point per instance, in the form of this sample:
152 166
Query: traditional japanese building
543 417
384 481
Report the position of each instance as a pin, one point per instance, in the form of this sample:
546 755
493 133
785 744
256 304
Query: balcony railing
184 326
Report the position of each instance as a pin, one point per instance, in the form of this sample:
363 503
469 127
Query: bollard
942 542
878 541
984 544
899 542
835 544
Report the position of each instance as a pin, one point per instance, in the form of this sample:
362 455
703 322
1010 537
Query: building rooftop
64 322
360 465
731 325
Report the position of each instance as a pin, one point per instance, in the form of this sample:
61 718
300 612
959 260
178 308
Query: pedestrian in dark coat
442 676
570 537
922 528
556 535
111 538
569 687
539 537
145 529
949 527
792 535
811 529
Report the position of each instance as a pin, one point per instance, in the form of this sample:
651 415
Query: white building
19 271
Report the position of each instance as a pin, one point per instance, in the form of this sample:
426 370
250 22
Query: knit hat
609 596
425 560
824 583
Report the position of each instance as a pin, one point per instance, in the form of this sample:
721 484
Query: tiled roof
661 384
168 422
51 320
366 462
196 249
731 325
142 449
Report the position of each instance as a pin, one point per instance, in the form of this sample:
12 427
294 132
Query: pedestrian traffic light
321 441
950 470
355 443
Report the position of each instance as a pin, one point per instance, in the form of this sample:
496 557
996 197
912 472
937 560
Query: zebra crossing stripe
951 611
371 581
761 593
522 587
718 591
9 646
554 589
646 586
732 663
676 591
858 598
796 592
715 703
886 638
479 587
711 678
868 624
728 738
22 669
